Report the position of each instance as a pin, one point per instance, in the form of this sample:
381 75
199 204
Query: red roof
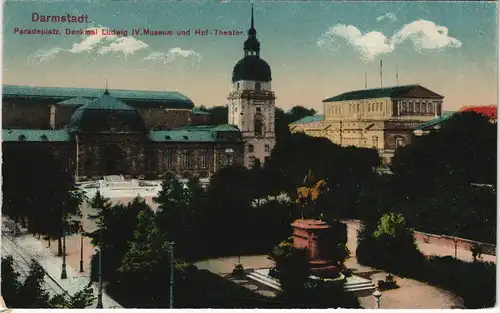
488 110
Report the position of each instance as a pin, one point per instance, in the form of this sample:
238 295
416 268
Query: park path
412 294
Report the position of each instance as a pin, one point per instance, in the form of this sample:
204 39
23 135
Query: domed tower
252 101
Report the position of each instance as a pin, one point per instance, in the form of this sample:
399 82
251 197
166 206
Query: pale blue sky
315 49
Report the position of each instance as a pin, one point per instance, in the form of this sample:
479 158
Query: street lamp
171 249
64 274
99 293
377 294
81 249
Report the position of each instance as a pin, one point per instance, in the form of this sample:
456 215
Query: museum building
138 134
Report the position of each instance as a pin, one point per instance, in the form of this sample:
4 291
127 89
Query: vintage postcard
249 154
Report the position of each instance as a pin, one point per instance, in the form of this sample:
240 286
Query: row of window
336 109
362 141
267 148
187 159
416 107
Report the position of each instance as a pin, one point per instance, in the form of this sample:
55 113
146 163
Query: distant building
137 134
252 102
381 118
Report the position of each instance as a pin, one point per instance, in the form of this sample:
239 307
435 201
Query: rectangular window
188 159
250 148
258 109
169 159
266 148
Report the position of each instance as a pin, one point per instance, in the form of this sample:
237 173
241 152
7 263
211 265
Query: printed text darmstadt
66 18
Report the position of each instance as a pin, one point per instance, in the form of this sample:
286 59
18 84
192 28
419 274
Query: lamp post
377 294
81 249
64 274
171 249
99 293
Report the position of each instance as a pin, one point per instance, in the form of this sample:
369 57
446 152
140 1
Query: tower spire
252 45
106 91
251 23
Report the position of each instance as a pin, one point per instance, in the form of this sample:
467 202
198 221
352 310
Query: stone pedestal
314 236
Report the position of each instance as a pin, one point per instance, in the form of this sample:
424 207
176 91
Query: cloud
104 44
97 42
45 55
387 16
127 45
424 35
175 54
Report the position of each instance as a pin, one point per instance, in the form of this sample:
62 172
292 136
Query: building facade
136 134
382 118
252 102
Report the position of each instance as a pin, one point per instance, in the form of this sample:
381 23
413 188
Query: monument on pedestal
312 233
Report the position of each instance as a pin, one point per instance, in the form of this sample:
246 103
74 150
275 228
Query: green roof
35 135
78 101
170 99
203 133
377 93
93 115
106 102
438 120
200 112
310 119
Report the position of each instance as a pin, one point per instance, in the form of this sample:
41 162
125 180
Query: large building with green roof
118 132
380 118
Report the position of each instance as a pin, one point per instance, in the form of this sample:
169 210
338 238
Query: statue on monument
308 195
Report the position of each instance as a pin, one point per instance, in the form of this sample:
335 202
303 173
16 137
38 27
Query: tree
117 223
291 269
146 263
387 243
444 165
31 291
32 294
10 282
38 188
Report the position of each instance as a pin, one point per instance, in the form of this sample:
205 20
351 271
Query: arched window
400 142
169 159
375 142
44 138
257 86
22 138
258 127
238 86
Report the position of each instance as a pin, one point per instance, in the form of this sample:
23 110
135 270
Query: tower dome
252 67
106 113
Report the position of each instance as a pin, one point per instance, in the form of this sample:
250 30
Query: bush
474 282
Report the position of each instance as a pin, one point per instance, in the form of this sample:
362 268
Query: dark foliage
474 282
434 175
38 188
32 292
